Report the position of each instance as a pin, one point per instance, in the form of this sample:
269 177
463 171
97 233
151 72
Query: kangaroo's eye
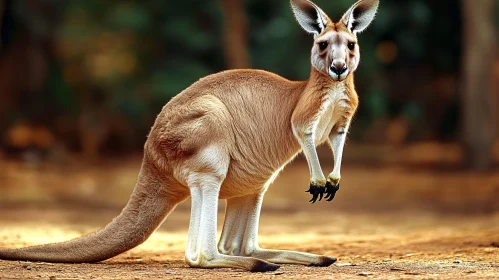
351 46
322 45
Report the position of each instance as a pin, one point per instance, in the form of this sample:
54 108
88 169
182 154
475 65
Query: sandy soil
387 222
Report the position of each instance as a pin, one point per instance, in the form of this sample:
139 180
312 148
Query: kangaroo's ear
360 15
311 18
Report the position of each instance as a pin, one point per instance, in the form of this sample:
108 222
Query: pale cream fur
227 136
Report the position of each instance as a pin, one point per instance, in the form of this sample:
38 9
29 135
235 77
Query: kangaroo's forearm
337 141
307 143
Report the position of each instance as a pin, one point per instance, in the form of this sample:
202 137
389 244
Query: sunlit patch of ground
387 222
387 246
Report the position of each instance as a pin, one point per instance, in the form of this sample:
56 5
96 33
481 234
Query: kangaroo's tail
148 206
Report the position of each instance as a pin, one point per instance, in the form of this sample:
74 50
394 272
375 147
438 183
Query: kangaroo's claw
316 192
331 190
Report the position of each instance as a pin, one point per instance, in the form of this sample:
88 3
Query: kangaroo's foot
291 257
221 260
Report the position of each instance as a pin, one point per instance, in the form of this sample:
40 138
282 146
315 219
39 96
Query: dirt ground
387 222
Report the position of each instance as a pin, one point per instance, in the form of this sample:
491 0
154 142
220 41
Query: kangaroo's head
335 51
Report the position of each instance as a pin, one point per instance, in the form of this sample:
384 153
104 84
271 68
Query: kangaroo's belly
246 177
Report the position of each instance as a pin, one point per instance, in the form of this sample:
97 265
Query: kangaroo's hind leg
240 235
204 184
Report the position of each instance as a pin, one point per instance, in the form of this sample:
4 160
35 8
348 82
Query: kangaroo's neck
320 86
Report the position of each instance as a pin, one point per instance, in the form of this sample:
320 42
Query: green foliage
139 54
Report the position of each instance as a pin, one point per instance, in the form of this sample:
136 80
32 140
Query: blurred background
81 83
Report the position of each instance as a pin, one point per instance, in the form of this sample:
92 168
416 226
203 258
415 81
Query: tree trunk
2 9
479 100
235 34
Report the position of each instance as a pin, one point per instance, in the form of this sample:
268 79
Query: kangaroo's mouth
337 77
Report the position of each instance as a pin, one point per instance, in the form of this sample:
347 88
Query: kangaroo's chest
332 115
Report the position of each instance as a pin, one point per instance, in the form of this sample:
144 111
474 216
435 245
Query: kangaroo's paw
331 190
317 191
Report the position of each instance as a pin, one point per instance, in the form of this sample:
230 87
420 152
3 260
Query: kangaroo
227 136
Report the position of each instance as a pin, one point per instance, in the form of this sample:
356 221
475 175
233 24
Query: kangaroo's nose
338 68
